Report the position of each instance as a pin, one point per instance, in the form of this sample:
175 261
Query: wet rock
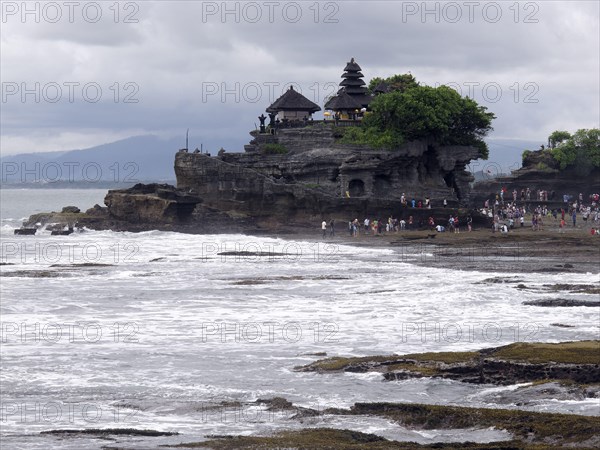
276 404
109 432
35 274
562 302
71 209
528 395
25 231
501 280
62 232
577 362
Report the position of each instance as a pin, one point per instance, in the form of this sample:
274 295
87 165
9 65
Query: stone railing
309 123
346 123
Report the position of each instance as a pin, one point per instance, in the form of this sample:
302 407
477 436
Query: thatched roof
352 66
292 100
358 93
352 75
353 82
364 100
342 101
381 88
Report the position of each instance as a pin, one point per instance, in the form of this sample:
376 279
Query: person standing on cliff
324 228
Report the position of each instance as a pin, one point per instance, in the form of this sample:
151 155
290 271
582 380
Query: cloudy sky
79 74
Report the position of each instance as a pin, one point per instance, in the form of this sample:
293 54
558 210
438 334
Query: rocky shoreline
566 370
570 362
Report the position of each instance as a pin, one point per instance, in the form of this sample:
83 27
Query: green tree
558 137
580 150
401 82
423 112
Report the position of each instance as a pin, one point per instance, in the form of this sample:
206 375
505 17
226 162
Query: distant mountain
125 162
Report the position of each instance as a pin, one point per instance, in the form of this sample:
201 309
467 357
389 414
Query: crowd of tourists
509 213
508 210
378 227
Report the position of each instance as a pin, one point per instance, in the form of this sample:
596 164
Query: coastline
520 251
574 250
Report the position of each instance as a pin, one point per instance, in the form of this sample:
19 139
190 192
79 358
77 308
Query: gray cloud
536 76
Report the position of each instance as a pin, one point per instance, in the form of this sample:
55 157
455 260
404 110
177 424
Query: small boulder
70 209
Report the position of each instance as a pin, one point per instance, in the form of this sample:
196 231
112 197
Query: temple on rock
297 170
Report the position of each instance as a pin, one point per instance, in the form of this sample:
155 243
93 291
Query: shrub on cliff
580 150
274 149
533 159
423 112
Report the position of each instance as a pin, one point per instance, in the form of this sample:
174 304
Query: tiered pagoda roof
353 86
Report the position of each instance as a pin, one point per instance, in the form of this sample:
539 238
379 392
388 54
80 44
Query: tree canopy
558 137
395 83
412 112
580 150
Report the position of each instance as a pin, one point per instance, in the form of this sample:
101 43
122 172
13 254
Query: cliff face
315 175
155 207
152 203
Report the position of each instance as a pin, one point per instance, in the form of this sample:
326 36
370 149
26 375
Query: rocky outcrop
312 157
302 174
515 363
293 178
540 172
153 203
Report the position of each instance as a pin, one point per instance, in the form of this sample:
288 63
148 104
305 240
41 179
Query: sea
184 333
